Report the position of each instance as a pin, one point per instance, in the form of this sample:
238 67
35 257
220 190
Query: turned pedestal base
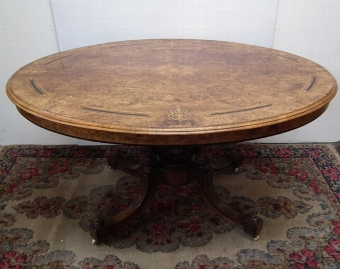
175 165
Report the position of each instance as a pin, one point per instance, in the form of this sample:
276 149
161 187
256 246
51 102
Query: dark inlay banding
213 45
58 59
241 110
36 88
312 84
132 45
285 57
116 112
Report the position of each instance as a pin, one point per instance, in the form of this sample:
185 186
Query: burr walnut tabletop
174 97
173 92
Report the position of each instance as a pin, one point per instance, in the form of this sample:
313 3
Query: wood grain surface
171 92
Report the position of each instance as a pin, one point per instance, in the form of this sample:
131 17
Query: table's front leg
150 177
203 176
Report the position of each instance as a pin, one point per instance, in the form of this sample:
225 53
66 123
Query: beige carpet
49 195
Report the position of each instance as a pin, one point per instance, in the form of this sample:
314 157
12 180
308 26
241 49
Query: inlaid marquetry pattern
169 87
179 114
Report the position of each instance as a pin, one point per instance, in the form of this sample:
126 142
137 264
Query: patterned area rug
49 195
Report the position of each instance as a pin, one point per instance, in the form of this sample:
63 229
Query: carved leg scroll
150 178
203 175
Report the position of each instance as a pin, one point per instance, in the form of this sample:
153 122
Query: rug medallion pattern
50 194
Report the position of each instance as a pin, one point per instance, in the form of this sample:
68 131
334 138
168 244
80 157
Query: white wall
27 32
309 28
80 22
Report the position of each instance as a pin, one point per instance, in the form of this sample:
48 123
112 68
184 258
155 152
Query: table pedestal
175 165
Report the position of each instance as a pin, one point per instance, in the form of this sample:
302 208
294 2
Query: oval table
174 98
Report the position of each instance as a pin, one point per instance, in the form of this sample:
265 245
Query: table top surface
171 92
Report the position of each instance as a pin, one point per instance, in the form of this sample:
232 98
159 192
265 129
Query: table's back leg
230 163
203 176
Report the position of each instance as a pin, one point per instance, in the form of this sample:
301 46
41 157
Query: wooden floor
337 147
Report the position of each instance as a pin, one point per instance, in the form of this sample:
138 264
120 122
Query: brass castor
256 238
